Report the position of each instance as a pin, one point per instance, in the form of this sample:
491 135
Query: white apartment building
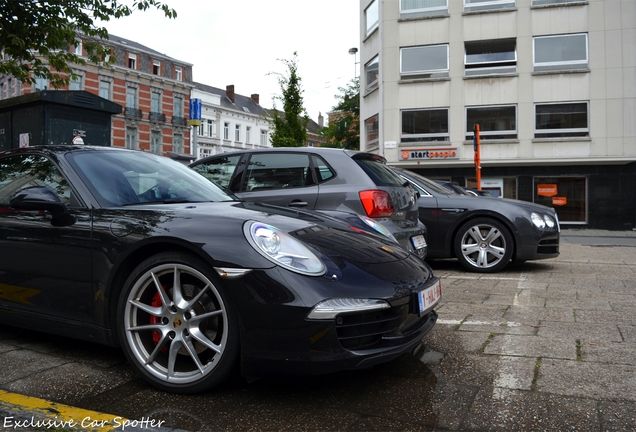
229 121
551 83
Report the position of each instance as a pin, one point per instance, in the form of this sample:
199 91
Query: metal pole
477 149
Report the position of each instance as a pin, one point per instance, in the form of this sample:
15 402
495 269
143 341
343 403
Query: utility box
56 117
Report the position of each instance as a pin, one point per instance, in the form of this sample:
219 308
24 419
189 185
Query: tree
290 125
343 130
35 36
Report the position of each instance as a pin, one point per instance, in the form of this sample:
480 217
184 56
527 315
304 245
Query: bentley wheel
483 245
176 326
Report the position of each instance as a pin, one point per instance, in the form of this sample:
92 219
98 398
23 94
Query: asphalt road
547 345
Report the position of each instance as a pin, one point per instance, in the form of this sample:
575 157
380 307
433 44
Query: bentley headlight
282 249
537 220
549 221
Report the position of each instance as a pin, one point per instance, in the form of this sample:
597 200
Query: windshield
428 185
120 178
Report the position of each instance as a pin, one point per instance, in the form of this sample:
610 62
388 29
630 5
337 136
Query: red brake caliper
156 336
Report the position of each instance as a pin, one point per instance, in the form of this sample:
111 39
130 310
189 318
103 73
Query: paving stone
577 331
620 353
531 346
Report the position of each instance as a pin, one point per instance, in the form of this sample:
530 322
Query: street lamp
354 51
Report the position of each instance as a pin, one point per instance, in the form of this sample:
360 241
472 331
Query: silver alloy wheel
483 246
176 323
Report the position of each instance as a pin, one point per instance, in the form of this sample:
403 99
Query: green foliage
35 36
290 125
343 130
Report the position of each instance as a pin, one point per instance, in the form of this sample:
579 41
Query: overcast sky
239 42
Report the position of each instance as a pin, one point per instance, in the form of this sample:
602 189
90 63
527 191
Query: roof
241 103
136 46
312 126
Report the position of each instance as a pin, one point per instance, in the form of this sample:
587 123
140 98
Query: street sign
195 112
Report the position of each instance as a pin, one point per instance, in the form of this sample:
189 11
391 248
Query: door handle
297 203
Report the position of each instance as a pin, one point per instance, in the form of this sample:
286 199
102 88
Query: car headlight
549 221
282 249
378 227
328 309
537 220
541 221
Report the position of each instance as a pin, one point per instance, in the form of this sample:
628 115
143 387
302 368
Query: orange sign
559 201
548 190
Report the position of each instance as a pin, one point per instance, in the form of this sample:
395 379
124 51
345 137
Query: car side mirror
42 198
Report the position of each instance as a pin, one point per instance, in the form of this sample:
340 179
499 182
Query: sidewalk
584 232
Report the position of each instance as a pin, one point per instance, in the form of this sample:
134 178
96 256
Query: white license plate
418 241
429 297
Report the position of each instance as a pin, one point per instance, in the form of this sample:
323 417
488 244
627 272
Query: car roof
315 150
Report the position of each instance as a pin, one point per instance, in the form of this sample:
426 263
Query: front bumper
277 338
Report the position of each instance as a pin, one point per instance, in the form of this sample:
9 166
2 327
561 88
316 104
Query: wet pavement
547 345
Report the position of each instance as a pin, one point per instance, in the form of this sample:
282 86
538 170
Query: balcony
132 113
179 121
156 117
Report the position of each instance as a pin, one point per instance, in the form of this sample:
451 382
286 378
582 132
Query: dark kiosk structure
56 117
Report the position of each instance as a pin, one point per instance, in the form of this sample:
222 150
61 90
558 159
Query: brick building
153 89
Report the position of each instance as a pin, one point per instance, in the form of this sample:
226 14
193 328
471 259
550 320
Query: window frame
131 138
424 137
237 132
494 66
156 147
156 67
488 5
177 106
423 11
371 27
178 73
100 89
425 73
560 65
563 132
155 101
131 92
374 84
132 61
369 122
177 143
226 131
264 137
485 134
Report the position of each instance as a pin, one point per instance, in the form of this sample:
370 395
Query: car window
322 170
218 170
125 178
277 171
24 171
379 172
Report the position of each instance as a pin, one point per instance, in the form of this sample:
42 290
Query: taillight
377 203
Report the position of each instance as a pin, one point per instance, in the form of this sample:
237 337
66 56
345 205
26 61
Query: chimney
321 120
255 98
229 92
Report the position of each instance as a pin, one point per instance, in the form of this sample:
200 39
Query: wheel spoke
162 342
152 310
193 354
492 235
145 327
173 352
196 298
199 336
475 234
165 299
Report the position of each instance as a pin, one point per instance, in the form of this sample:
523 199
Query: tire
177 327
483 245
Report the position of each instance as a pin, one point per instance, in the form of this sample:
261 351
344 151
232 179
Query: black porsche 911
485 234
132 249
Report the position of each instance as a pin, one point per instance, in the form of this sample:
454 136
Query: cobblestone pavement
547 345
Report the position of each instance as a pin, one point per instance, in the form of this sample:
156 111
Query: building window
425 125
567 195
482 5
131 138
178 73
104 89
372 16
156 67
77 48
420 8
237 133
371 72
75 83
155 102
177 110
264 137
177 143
131 97
371 128
248 133
495 122
155 142
490 57
553 2
424 61
561 120
40 84
132 61
560 52
226 131
211 128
